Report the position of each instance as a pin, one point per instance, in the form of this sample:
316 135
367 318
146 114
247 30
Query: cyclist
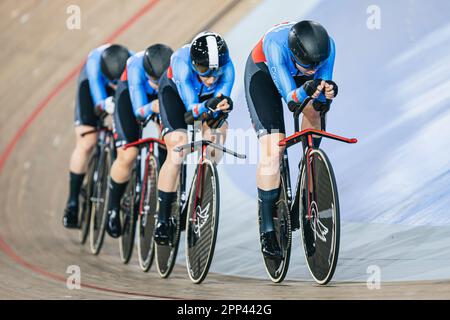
97 83
197 86
292 61
136 99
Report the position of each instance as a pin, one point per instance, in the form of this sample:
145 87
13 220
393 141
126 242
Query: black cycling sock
165 205
76 180
116 192
267 200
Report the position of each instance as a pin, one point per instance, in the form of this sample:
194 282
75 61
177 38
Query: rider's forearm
144 111
198 109
297 95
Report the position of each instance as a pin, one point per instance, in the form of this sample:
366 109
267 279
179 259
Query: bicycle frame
202 145
141 143
307 136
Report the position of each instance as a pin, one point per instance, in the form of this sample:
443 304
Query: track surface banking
36 140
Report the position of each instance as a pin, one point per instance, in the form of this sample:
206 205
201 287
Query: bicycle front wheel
99 200
166 255
319 216
202 221
277 268
128 216
147 211
84 214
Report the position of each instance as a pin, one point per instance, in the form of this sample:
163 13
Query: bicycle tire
201 234
321 247
277 269
129 205
97 226
146 220
166 255
84 214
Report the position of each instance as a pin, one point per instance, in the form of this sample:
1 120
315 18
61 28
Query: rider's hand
331 89
226 105
313 88
98 109
155 106
189 117
110 105
216 122
323 107
213 102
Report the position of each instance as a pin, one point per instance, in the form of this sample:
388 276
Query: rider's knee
311 114
270 150
86 144
174 140
127 157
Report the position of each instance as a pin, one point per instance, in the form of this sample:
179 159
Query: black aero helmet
208 49
309 42
113 61
157 59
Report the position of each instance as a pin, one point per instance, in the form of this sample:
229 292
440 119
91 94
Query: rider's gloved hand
230 103
217 121
212 103
331 89
313 88
142 113
321 106
189 117
99 109
110 105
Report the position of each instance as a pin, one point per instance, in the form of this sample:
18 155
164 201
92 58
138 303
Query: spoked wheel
128 214
146 220
319 217
99 201
202 221
166 255
84 213
277 268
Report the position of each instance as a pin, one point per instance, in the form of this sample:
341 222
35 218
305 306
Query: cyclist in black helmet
197 86
136 100
291 62
97 83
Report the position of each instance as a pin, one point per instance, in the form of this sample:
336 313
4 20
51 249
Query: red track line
20 133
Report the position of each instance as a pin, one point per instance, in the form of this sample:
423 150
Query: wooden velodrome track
40 59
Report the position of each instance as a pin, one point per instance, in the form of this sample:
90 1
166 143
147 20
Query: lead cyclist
292 61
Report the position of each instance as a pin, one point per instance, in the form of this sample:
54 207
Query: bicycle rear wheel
129 205
99 200
202 221
277 268
319 217
146 219
166 255
84 213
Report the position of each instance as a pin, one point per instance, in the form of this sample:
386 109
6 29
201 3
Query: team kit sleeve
183 81
280 74
95 78
226 81
142 107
